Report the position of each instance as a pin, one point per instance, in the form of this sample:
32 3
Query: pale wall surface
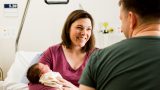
43 25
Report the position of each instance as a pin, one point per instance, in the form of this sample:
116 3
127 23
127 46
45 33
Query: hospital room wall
43 25
10 20
45 22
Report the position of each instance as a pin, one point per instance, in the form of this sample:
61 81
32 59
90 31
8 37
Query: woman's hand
67 85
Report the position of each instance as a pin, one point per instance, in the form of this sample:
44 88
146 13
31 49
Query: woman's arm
67 85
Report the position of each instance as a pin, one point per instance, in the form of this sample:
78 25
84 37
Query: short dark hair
146 9
75 15
33 74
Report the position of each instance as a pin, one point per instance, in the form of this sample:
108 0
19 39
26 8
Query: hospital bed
16 76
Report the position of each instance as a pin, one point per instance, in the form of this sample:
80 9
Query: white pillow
17 72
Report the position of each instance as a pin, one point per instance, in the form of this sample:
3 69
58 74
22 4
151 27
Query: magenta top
39 87
54 57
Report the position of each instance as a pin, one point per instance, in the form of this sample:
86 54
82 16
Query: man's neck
147 30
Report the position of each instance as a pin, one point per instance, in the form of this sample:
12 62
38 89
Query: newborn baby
40 73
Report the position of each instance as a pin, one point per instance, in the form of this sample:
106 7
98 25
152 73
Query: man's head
136 12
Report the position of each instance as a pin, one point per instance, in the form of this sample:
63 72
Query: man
134 63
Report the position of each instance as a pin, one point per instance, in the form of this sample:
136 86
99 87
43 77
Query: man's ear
132 20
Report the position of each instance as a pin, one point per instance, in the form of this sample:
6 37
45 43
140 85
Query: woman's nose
83 31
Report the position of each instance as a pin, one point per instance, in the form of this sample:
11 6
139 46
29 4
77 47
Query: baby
40 73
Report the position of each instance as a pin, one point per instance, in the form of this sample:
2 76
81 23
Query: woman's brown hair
75 15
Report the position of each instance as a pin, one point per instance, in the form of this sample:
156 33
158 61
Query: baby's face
44 68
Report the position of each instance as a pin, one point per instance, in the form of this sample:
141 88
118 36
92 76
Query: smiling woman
71 55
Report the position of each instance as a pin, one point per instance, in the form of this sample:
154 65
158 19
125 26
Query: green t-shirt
132 64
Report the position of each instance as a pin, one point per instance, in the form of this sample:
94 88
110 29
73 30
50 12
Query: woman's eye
80 28
89 29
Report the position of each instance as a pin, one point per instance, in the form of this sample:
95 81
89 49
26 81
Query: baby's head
35 71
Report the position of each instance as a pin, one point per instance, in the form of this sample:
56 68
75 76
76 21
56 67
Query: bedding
16 76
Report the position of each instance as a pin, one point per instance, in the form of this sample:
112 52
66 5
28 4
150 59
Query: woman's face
80 32
43 68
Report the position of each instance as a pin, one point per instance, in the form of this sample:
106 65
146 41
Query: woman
71 55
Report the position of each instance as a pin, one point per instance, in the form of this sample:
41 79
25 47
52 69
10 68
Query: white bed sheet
16 76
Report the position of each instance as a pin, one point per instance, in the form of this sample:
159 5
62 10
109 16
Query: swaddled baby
40 73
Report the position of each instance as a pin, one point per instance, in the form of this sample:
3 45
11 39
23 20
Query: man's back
133 63
129 65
